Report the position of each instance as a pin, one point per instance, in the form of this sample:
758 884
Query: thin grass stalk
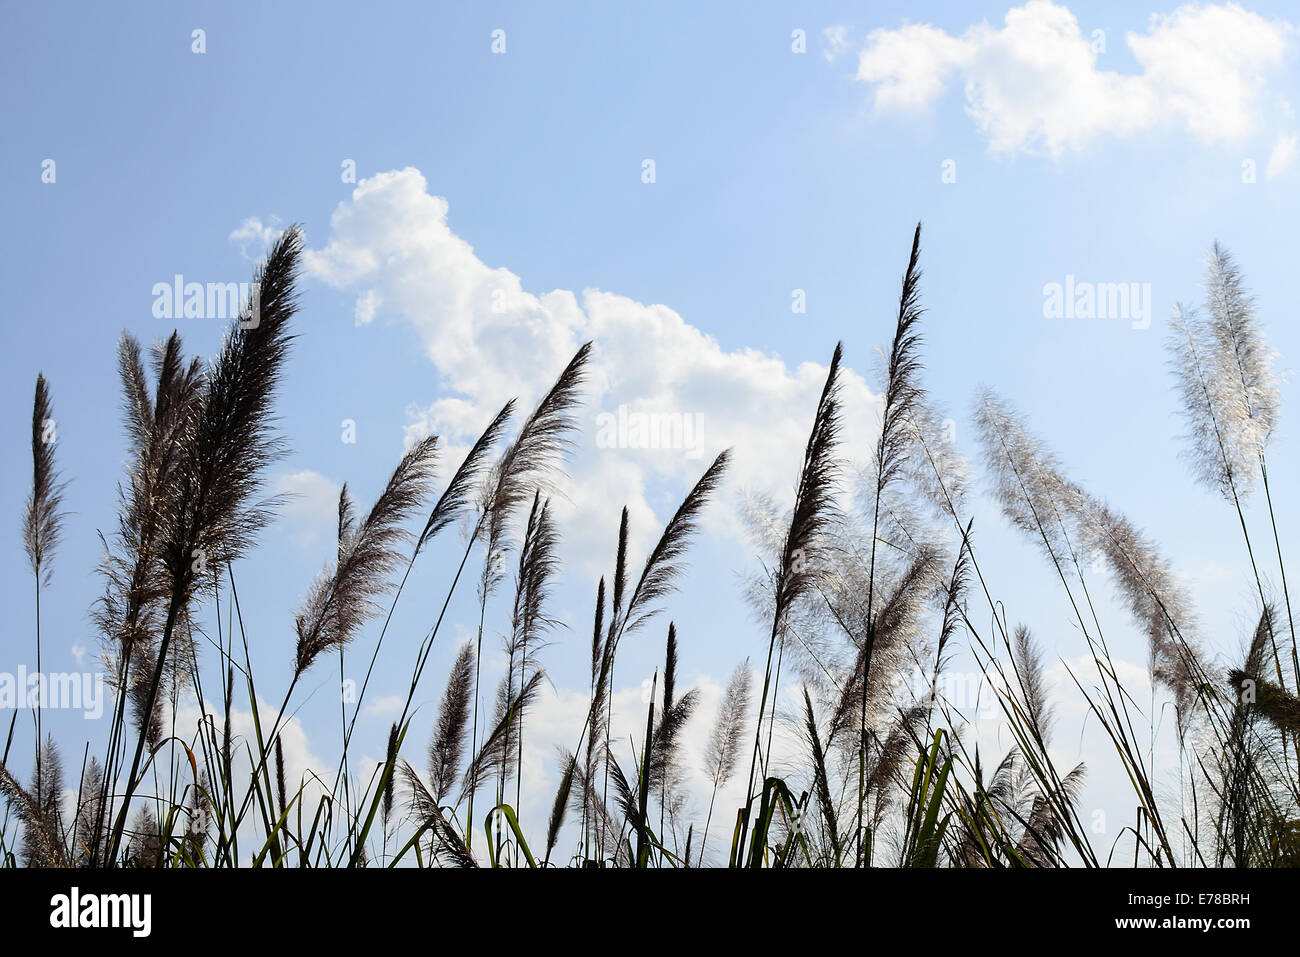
801 554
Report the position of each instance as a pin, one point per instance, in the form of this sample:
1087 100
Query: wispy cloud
1035 85
253 237
384 706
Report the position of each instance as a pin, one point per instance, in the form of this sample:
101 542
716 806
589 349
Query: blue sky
775 171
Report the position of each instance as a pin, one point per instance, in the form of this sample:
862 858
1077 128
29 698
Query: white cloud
368 304
910 66
1034 84
837 41
253 237
491 339
311 504
384 706
1282 156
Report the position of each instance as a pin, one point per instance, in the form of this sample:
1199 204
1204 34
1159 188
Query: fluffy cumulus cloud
1035 84
656 380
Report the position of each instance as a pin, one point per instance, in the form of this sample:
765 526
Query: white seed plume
1037 496
1224 369
1026 476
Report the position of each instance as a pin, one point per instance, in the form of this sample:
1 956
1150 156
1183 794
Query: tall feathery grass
872 583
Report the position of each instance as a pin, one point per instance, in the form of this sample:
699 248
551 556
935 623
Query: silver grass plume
456 496
231 441
560 807
1224 369
597 713
225 451
390 783
445 844
39 809
1039 844
88 825
896 629
420 800
42 519
602 663
1239 763
199 815
597 633
448 744
528 463
1274 702
145 846
342 598
528 621
932 465
1155 598
671 721
670 666
147 712
1231 401
620 576
137 601
1028 661
1071 525
130 614
42 845
902 370
626 793
666 561
586 799
1027 476
764 522
723 751
663 566
972 841
954 607
1241 353
805 542
347 520
806 650
803 553
281 791
494 750
886 759
903 393
821 780
1221 457
538 563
